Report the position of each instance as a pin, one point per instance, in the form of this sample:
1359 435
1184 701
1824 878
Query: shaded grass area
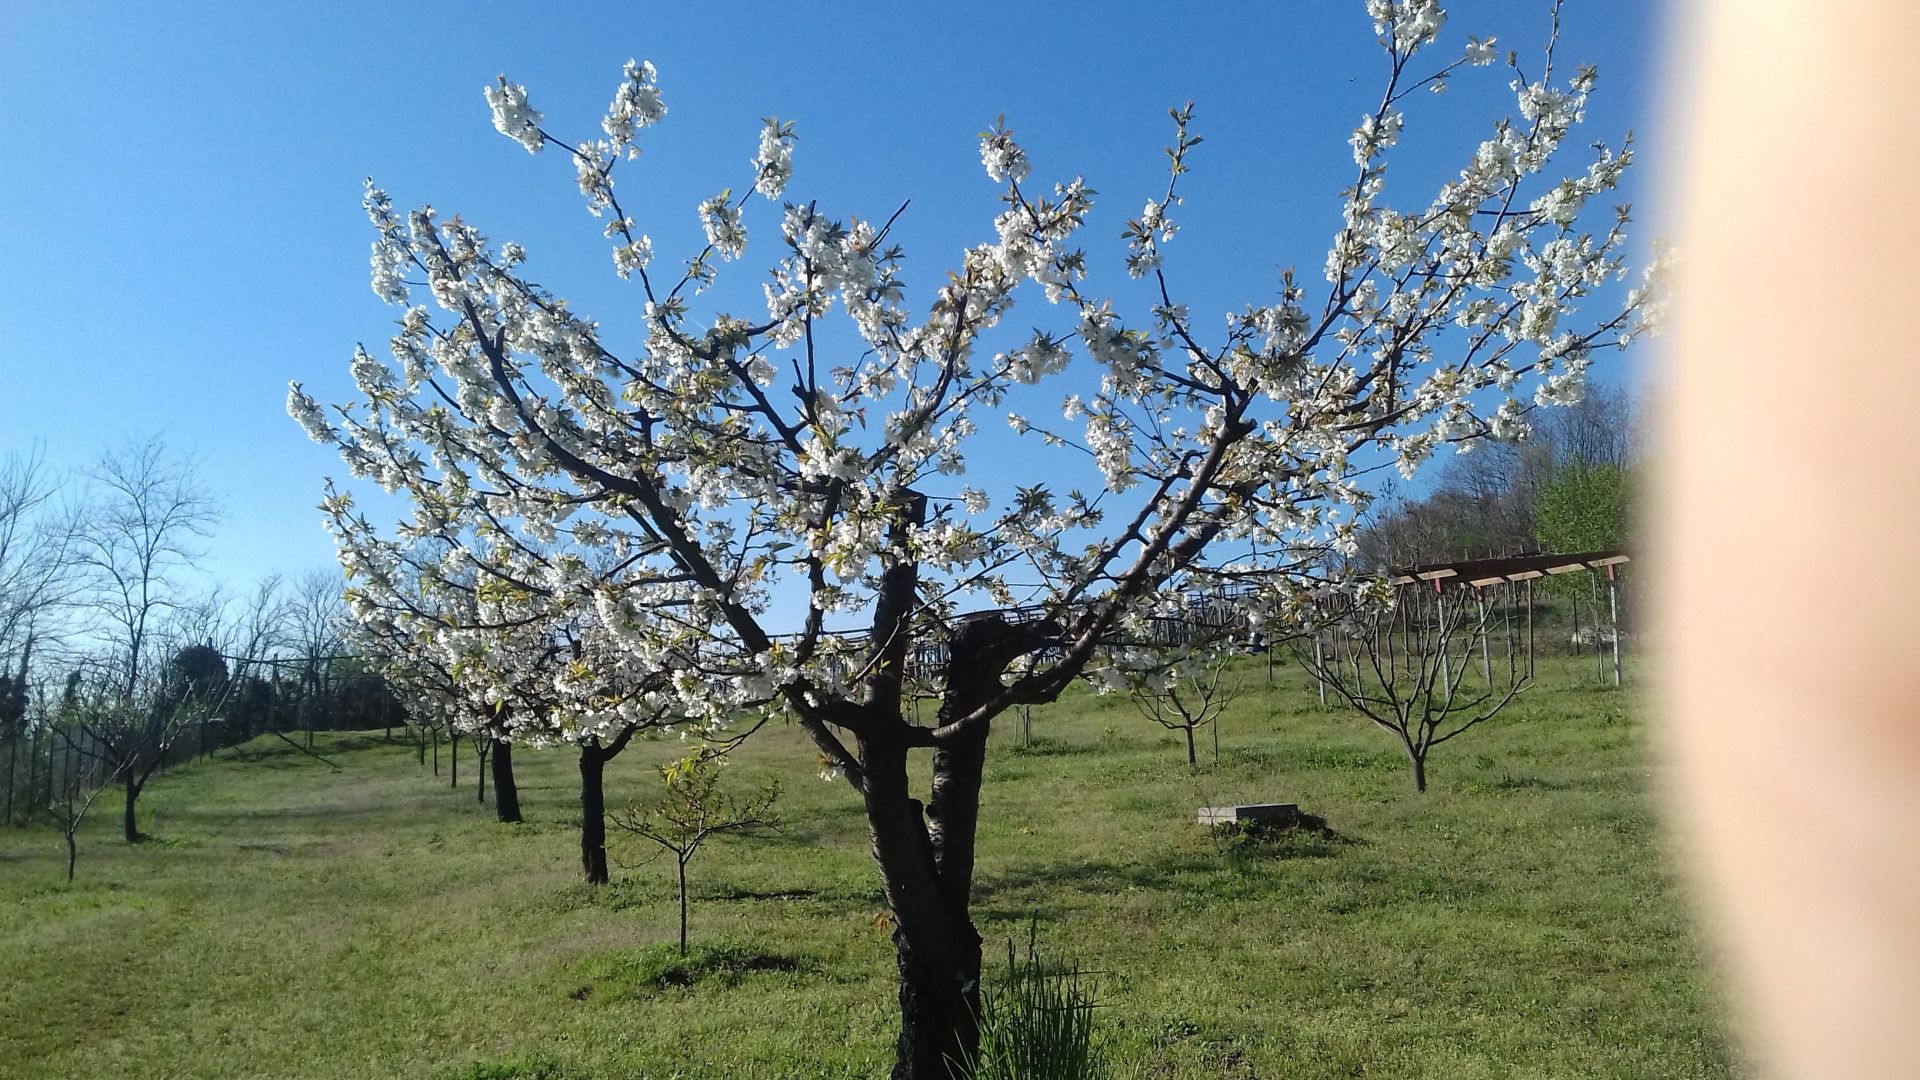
1518 920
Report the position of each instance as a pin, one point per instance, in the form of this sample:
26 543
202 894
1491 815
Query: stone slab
1226 815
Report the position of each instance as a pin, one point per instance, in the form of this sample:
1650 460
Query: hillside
1518 920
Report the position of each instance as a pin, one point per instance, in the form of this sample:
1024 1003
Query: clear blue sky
180 194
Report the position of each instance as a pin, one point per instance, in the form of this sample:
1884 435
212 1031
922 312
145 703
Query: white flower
722 222
1561 205
307 412
1481 53
636 104
630 257
513 117
1002 156
1375 134
773 165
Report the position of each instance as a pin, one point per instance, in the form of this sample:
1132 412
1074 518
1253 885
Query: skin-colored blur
1789 568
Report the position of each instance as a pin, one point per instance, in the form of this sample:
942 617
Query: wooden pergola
1478 574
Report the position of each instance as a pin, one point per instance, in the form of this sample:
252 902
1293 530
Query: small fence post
1319 677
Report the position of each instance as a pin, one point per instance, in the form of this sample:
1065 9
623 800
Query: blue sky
180 198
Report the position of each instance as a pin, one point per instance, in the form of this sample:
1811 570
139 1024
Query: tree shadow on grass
331 811
1207 863
723 964
1098 877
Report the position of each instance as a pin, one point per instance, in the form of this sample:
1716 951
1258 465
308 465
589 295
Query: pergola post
1506 627
1613 605
1529 628
1486 647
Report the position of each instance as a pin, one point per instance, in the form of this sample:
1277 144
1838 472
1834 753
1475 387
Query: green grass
1519 920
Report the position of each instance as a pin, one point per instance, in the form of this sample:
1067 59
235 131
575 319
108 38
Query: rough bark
926 855
936 1025
506 791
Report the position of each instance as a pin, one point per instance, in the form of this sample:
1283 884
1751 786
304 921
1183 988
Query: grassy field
1518 920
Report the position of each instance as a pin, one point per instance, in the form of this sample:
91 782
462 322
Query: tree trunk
681 865
1192 758
593 814
506 792
133 792
453 758
1419 760
936 946
480 767
73 851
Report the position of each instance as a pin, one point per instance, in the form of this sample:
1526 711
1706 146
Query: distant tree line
1566 488
1570 487
120 656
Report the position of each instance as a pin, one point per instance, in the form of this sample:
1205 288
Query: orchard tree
131 737
692 809
1404 659
496 632
821 446
441 686
1183 690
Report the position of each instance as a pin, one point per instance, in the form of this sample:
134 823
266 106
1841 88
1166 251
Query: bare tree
132 737
1189 695
259 633
316 622
36 549
1602 428
139 532
1409 666
75 790
137 538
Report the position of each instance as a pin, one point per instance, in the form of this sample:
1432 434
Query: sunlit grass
1518 920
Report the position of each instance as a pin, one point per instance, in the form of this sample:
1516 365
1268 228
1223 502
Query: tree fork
938 982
